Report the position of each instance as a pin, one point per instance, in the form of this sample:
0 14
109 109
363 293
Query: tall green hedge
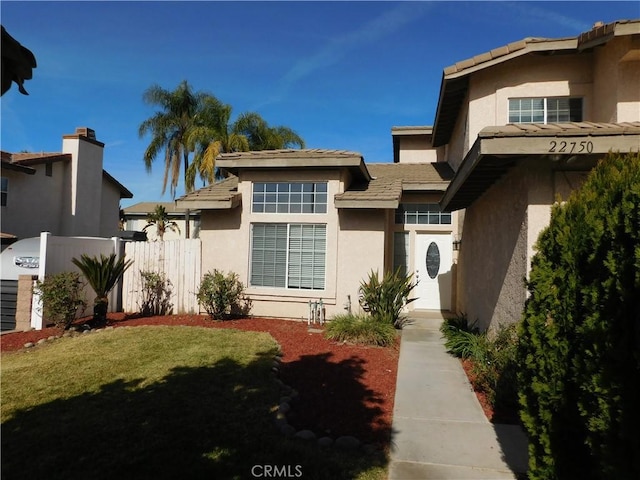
579 351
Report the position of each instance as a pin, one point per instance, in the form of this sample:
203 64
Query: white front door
433 260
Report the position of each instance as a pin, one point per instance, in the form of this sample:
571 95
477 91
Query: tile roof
31 158
390 179
599 33
290 153
223 191
555 129
412 172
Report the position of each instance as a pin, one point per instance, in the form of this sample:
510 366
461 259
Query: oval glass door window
433 260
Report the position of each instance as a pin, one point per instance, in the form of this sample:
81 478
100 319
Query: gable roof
455 78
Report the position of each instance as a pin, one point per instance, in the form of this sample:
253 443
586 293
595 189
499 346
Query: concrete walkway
439 428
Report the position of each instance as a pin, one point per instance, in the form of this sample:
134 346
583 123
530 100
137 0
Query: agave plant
102 275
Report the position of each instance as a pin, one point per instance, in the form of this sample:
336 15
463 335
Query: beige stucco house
522 125
463 202
135 219
305 225
66 193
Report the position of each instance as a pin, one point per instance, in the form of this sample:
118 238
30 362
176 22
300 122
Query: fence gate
178 260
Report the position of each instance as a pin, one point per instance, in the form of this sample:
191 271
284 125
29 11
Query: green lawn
154 403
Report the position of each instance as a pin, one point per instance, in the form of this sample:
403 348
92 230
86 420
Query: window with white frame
289 197
288 255
545 110
422 214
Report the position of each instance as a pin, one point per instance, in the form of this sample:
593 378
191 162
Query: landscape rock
347 442
284 407
306 435
287 430
325 442
29 345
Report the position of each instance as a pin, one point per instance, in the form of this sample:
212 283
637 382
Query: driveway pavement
439 428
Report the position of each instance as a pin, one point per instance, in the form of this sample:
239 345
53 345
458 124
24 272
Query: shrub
156 294
222 296
360 329
62 298
493 359
461 339
386 298
102 274
495 367
580 339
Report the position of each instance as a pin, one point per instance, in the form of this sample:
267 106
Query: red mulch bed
494 415
343 389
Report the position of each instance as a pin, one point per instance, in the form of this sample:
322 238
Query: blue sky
341 74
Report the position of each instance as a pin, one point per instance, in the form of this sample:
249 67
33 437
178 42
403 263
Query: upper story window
4 187
292 197
545 110
422 214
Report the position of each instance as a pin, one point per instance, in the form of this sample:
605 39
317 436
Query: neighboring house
514 128
135 217
67 193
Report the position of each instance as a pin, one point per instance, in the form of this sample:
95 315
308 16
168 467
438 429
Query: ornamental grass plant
361 329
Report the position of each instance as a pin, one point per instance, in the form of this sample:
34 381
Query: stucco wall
529 76
361 249
417 149
35 203
86 186
110 209
493 254
616 79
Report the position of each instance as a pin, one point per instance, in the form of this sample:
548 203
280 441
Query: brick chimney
86 132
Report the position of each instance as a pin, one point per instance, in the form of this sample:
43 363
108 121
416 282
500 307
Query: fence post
36 310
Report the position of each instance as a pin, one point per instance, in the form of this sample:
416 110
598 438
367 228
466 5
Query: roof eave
495 152
367 204
124 191
355 164
211 204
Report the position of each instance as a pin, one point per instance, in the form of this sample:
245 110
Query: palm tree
199 123
261 136
160 220
102 275
183 111
248 132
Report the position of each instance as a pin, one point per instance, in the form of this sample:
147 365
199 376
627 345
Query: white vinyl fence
55 257
178 260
